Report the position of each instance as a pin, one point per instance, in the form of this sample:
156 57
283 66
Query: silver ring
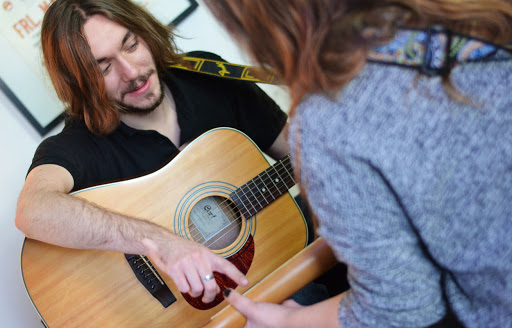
208 277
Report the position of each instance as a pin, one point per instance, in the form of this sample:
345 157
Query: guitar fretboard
264 188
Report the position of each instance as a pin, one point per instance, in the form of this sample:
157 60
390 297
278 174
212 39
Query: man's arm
279 147
46 212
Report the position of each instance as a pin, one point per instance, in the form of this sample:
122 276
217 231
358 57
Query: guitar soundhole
215 222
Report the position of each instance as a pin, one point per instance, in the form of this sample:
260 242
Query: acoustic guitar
219 191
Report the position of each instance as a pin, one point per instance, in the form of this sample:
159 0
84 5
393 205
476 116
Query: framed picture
23 78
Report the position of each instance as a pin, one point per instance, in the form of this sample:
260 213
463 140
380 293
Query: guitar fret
291 178
272 180
262 188
278 180
261 206
249 200
254 196
265 189
240 204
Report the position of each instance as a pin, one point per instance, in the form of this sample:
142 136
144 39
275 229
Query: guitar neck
262 190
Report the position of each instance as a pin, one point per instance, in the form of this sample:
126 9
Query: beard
133 85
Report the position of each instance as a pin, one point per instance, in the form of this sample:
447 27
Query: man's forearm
68 221
47 212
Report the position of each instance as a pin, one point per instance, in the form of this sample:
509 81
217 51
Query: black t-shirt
203 102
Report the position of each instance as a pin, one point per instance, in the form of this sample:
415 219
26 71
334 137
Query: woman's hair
73 69
318 46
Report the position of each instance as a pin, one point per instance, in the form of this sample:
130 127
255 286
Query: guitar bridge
148 276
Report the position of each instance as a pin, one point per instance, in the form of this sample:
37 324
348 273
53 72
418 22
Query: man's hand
190 264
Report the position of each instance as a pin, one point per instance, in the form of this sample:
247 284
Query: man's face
128 67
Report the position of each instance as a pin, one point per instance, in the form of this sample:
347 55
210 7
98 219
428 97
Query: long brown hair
74 71
318 46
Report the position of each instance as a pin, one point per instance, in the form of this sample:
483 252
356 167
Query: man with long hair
401 130
128 115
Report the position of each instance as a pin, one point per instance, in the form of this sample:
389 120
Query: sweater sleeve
393 281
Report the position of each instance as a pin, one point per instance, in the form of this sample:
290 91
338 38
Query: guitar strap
227 70
432 51
435 51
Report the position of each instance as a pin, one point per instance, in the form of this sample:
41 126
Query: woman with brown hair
401 128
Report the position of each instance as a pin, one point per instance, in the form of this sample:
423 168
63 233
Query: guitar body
89 288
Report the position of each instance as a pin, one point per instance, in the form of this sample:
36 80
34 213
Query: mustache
137 83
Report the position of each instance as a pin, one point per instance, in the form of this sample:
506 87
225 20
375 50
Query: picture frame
23 78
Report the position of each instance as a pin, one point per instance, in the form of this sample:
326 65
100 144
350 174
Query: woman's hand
260 314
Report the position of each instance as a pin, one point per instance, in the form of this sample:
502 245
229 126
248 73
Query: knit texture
413 190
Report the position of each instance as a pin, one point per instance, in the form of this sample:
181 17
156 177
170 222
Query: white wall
19 141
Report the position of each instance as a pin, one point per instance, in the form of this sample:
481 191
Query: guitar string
147 265
238 218
232 226
153 271
283 164
239 223
226 203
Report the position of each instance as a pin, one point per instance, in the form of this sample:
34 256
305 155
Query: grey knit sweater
414 192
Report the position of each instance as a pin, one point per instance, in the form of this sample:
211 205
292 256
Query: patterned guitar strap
433 51
227 70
